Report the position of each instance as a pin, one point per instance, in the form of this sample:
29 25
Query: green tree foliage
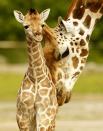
10 29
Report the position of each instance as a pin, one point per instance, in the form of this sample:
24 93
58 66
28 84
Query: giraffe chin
38 38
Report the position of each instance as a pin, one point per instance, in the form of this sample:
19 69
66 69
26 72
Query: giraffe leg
49 128
26 113
46 114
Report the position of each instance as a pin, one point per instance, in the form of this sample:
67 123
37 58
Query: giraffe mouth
38 37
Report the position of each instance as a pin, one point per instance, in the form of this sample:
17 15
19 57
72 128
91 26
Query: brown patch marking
71 43
39 71
82 42
101 11
26 84
38 62
78 12
73 50
84 52
43 92
83 60
87 21
59 76
42 129
94 5
75 23
81 32
45 83
75 61
88 37
40 78
30 100
76 74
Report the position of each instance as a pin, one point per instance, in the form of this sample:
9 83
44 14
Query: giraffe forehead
32 18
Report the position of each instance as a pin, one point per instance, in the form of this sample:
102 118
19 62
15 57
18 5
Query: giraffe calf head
32 22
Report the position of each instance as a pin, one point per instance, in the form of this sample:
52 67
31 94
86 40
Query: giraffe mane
48 32
32 11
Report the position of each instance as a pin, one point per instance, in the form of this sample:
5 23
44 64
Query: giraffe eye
43 25
26 26
66 53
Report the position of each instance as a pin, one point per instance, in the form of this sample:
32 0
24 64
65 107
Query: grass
14 55
9 84
88 83
91 82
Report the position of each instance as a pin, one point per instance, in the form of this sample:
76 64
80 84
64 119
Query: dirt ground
78 115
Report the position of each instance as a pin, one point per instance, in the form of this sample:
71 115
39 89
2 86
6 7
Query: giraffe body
70 44
36 103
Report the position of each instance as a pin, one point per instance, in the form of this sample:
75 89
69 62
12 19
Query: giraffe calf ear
44 15
19 16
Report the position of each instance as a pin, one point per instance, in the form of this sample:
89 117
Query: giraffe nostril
26 26
38 33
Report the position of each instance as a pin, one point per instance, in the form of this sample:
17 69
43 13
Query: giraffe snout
38 33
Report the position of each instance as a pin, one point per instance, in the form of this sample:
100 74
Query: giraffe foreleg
46 113
46 124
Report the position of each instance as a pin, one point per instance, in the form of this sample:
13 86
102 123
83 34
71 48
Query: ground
78 115
83 113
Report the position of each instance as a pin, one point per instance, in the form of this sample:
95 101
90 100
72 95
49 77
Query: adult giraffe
67 45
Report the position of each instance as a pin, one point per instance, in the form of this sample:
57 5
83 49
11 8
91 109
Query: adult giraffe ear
44 15
62 23
67 25
19 16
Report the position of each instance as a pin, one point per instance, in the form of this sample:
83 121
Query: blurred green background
13 48
11 30
85 111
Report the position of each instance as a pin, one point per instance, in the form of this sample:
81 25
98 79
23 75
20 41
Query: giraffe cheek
75 62
84 52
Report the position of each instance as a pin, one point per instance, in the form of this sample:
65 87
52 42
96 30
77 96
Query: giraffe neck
36 59
85 14
81 21
46 101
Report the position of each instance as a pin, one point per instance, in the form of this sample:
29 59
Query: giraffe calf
36 103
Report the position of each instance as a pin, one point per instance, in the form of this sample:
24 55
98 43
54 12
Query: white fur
44 15
19 16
